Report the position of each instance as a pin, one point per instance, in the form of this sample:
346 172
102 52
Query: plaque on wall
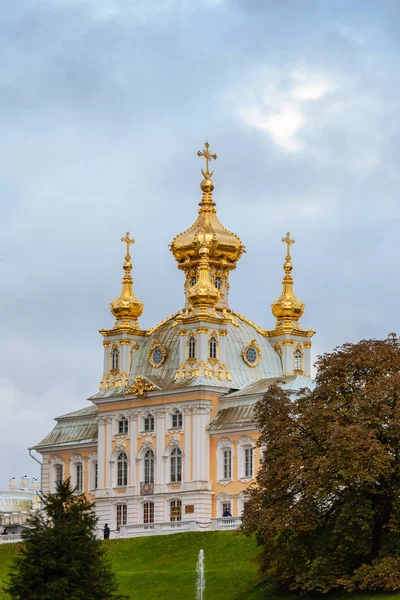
189 508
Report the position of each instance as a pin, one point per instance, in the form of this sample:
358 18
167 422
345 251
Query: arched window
298 358
149 466
115 359
192 347
148 512
213 347
176 510
123 426
79 477
176 465
218 283
122 469
58 474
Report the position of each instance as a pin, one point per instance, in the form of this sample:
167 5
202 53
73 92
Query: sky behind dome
103 106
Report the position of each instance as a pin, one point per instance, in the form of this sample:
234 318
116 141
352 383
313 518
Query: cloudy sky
103 106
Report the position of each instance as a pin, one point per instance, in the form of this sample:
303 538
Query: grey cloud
101 121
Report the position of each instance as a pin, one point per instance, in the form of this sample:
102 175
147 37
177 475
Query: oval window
157 356
251 355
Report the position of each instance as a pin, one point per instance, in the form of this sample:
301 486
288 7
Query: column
287 357
307 359
109 421
160 432
196 447
188 456
100 452
106 364
133 424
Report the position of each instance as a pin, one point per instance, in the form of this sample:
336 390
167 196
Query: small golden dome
203 292
225 248
127 308
287 309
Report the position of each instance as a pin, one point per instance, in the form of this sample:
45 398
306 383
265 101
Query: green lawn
163 568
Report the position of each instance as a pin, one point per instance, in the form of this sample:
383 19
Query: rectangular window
227 470
123 426
59 473
148 512
122 515
79 477
248 462
149 424
226 508
176 510
177 420
96 475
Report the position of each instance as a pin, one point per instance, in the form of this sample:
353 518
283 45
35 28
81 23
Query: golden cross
288 241
208 156
128 240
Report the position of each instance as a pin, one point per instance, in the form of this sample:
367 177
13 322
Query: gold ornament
139 387
287 309
127 308
224 247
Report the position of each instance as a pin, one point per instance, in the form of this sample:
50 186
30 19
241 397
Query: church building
169 436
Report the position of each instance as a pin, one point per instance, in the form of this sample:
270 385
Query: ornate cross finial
127 240
288 241
207 156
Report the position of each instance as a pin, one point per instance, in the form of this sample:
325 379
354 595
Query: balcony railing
146 488
168 527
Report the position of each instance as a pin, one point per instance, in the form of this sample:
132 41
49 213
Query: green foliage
61 558
326 503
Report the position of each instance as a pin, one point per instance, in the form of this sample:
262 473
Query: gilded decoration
127 308
140 387
153 356
224 247
288 309
246 354
307 344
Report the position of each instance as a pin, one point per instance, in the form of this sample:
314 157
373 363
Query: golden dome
127 308
225 248
204 292
287 309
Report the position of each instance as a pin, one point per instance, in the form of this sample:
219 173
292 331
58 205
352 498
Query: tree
61 557
326 503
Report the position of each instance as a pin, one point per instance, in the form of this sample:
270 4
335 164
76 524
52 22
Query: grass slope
164 567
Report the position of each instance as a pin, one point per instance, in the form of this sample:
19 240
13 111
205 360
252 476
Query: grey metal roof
233 416
73 428
10 503
289 382
237 408
237 338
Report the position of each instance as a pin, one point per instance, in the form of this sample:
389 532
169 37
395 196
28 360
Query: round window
157 356
251 355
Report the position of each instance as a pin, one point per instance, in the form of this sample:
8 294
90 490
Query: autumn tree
326 503
61 557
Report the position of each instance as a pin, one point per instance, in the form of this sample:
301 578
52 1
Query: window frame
148 512
192 347
122 469
213 347
148 423
58 468
175 511
114 359
123 426
248 465
175 473
78 477
177 416
121 515
148 466
227 464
